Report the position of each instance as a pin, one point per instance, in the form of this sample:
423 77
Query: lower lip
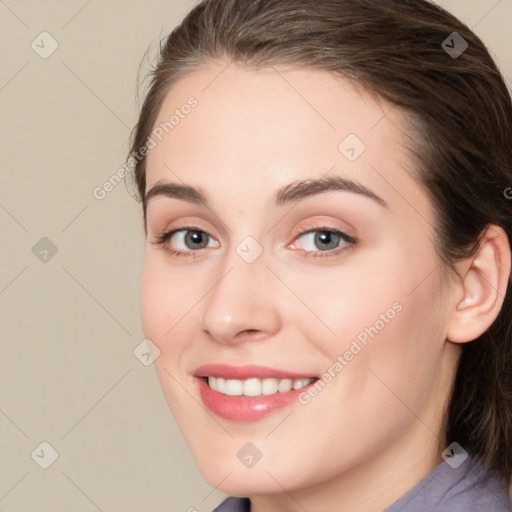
246 408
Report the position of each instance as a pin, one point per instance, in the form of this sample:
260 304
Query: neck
372 485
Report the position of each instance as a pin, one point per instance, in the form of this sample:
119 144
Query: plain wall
70 324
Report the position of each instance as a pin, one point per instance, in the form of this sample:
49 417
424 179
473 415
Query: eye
185 241
329 241
188 242
192 239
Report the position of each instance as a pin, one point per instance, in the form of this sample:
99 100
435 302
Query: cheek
376 291
337 305
401 336
383 316
167 301
154 298
164 305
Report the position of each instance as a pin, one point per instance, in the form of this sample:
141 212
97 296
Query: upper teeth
255 386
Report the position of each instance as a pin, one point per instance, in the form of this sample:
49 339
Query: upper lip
247 371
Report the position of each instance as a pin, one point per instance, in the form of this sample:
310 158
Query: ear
479 295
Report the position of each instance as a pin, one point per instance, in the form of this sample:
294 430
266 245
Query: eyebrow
290 193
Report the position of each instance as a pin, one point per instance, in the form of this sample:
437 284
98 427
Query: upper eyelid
223 228
302 231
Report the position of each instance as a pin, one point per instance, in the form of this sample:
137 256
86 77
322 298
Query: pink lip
247 372
246 408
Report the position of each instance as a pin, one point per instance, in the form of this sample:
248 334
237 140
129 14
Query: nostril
252 333
255 333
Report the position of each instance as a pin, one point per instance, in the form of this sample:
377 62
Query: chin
244 482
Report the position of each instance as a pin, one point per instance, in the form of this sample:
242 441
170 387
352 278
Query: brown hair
461 112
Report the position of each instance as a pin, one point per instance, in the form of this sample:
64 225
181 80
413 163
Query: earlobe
483 287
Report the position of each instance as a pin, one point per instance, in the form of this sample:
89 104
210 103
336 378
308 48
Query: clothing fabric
232 504
470 487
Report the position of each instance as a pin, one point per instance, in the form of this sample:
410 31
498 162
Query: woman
326 276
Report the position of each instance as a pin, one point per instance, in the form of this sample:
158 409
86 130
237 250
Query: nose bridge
240 299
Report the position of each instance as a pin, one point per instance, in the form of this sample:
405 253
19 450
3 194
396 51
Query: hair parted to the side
461 114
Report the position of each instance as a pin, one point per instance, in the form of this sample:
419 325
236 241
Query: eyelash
351 242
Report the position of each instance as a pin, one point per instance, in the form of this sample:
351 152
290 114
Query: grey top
467 488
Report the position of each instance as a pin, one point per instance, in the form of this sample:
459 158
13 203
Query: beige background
69 326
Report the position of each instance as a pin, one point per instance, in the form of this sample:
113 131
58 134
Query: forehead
259 129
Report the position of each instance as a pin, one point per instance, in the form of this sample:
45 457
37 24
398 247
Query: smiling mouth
256 386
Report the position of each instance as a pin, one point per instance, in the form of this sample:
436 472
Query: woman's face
311 258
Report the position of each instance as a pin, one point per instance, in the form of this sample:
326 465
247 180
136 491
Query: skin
375 430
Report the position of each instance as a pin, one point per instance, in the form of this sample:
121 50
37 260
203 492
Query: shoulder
233 504
468 487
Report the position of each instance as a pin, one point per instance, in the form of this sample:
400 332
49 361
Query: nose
242 304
